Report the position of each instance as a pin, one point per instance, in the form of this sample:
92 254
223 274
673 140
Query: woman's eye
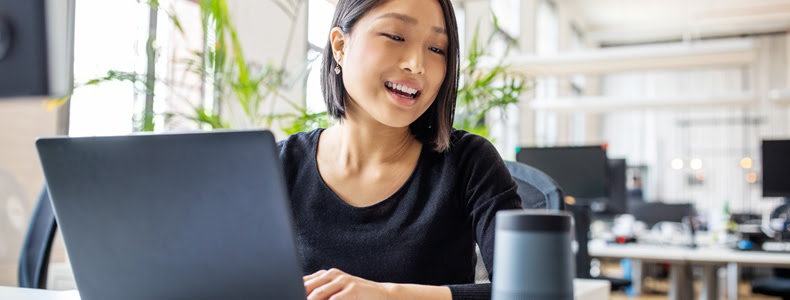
437 50
395 37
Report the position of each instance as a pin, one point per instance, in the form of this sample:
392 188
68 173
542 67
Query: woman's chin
397 122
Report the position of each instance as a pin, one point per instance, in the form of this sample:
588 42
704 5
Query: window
508 13
112 35
319 19
108 35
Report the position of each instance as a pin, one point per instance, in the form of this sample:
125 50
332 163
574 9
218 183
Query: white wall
22 121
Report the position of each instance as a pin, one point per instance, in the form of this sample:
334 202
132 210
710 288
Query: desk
681 260
16 293
584 289
591 289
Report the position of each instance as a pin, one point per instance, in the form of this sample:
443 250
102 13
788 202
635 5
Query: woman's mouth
402 90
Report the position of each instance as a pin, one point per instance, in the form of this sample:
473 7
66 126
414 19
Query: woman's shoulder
300 138
468 149
462 141
299 142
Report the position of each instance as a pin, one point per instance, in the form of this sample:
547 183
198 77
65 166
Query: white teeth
401 88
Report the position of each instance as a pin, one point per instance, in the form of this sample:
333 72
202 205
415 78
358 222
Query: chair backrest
34 258
536 189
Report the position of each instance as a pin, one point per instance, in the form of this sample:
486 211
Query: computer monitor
653 212
618 193
776 168
581 172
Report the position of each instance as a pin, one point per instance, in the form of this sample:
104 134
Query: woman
389 202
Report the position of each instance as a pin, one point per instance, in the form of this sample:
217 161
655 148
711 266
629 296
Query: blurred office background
683 90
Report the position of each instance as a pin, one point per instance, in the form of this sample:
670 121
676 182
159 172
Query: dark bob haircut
434 126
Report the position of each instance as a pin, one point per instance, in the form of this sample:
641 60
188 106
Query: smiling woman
389 202
391 48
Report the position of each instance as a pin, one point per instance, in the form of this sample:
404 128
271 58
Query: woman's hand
337 285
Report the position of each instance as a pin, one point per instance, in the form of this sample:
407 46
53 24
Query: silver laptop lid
175 216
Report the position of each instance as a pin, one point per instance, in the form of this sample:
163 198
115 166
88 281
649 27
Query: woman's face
394 61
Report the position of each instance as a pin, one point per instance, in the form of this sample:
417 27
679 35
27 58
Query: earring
337 64
337 69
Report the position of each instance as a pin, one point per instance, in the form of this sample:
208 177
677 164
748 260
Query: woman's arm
337 285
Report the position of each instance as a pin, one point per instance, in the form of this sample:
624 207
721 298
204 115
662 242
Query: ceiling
614 22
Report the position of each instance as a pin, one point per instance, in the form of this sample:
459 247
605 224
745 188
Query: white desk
591 289
712 258
679 272
15 293
584 289
681 260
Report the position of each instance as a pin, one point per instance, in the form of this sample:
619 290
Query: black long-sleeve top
424 233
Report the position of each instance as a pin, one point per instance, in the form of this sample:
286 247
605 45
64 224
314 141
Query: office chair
34 258
536 189
779 284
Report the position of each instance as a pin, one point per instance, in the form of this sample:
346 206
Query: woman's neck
357 144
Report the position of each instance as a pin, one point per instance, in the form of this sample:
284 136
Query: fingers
337 285
332 290
343 294
323 278
314 275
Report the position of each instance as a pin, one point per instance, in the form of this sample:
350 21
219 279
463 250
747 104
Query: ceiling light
751 177
676 164
695 163
746 162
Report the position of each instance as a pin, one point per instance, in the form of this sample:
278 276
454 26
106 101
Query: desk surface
714 255
15 293
585 289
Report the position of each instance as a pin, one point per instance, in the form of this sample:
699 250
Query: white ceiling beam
780 96
620 59
629 22
589 104
657 32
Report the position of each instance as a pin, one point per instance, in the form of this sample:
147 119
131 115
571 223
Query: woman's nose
413 61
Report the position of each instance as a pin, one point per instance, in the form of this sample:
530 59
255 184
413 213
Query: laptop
174 216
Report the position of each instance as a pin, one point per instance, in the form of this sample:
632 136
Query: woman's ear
338 41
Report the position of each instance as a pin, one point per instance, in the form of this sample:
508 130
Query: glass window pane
109 35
